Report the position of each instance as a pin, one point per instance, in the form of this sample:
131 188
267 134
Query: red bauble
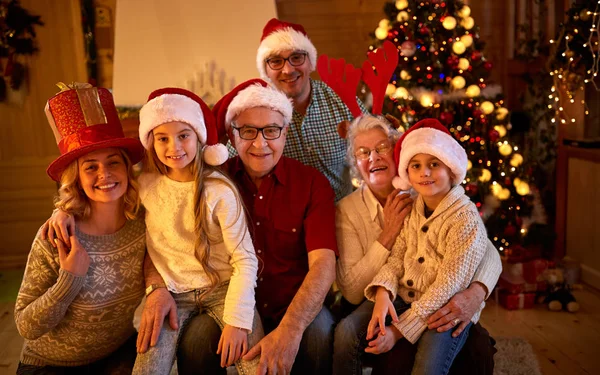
507 181
488 65
472 189
476 56
494 135
477 113
452 61
424 30
510 230
446 118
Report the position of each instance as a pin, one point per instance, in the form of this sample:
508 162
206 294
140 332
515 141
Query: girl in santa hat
436 254
197 235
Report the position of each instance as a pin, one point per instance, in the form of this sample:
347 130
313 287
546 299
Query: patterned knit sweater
70 320
433 259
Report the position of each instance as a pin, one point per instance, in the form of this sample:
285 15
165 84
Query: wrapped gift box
516 301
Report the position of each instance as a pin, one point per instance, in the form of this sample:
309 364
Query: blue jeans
436 351
198 346
349 341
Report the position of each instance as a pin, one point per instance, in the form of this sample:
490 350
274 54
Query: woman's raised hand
395 210
74 260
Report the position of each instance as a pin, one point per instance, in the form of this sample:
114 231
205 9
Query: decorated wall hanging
17 39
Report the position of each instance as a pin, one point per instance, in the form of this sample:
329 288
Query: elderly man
285 59
291 218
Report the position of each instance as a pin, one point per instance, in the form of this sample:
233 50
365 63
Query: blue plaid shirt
313 139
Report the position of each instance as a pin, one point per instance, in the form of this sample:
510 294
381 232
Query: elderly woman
368 222
76 302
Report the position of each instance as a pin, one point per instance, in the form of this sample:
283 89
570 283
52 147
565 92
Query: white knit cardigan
433 259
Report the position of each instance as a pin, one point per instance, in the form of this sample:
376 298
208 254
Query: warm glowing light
505 149
464 11
473 91
401 4
449 23
516 160
401 92
402 16
405 75
463 63
458 82
486 175
487 107
381 33
390 89
426 100
459 48
467 23
467 40
523 188
501 129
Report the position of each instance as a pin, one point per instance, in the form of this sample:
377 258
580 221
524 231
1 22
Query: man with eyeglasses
285 59
291 217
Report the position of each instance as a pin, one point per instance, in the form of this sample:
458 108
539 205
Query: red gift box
516 301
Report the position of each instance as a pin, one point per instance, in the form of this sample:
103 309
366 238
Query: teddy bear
558 295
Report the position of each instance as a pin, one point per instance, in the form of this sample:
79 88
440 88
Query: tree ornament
458 47
381 33
449 23
501 129
424 30
501 114
467 23
505 149
476 56
402 16
405 75
473 91
487 107
465 11
494 136
426 100
453 61
401 4
390 89
408 48
472 189
488 65
401 93
458 82
477 113
446 118
467 40
485 176
384 23
516 160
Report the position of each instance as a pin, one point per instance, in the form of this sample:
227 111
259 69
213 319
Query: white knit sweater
433 259
359 222
170 239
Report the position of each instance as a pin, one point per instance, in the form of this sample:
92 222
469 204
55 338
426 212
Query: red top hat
84 119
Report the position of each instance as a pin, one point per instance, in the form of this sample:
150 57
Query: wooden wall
27 144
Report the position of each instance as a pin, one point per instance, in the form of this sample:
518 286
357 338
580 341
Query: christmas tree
442 73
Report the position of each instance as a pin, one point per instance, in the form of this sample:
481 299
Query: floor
564 343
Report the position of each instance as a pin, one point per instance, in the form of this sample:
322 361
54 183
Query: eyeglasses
295 59
250 133
363 153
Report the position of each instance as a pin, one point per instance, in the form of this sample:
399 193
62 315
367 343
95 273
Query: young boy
435 255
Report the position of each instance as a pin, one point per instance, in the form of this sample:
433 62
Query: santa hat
429 136
279 36
251 94
175 104
84 119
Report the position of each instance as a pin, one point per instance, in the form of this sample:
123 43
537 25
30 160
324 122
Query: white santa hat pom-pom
398 183
215 154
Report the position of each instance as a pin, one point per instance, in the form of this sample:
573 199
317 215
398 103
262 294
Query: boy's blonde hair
72 199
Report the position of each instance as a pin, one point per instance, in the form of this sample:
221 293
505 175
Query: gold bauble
405 75
503 194
501 113
401 93
458 47
486 175
467 23
381 33
467 40
505 149
516 160
473 91
464 11
463 64
487 107
458 82
449 23
496 189
517 181
469 165
402 16
390 89
401 4
523 188
501 129
426 100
